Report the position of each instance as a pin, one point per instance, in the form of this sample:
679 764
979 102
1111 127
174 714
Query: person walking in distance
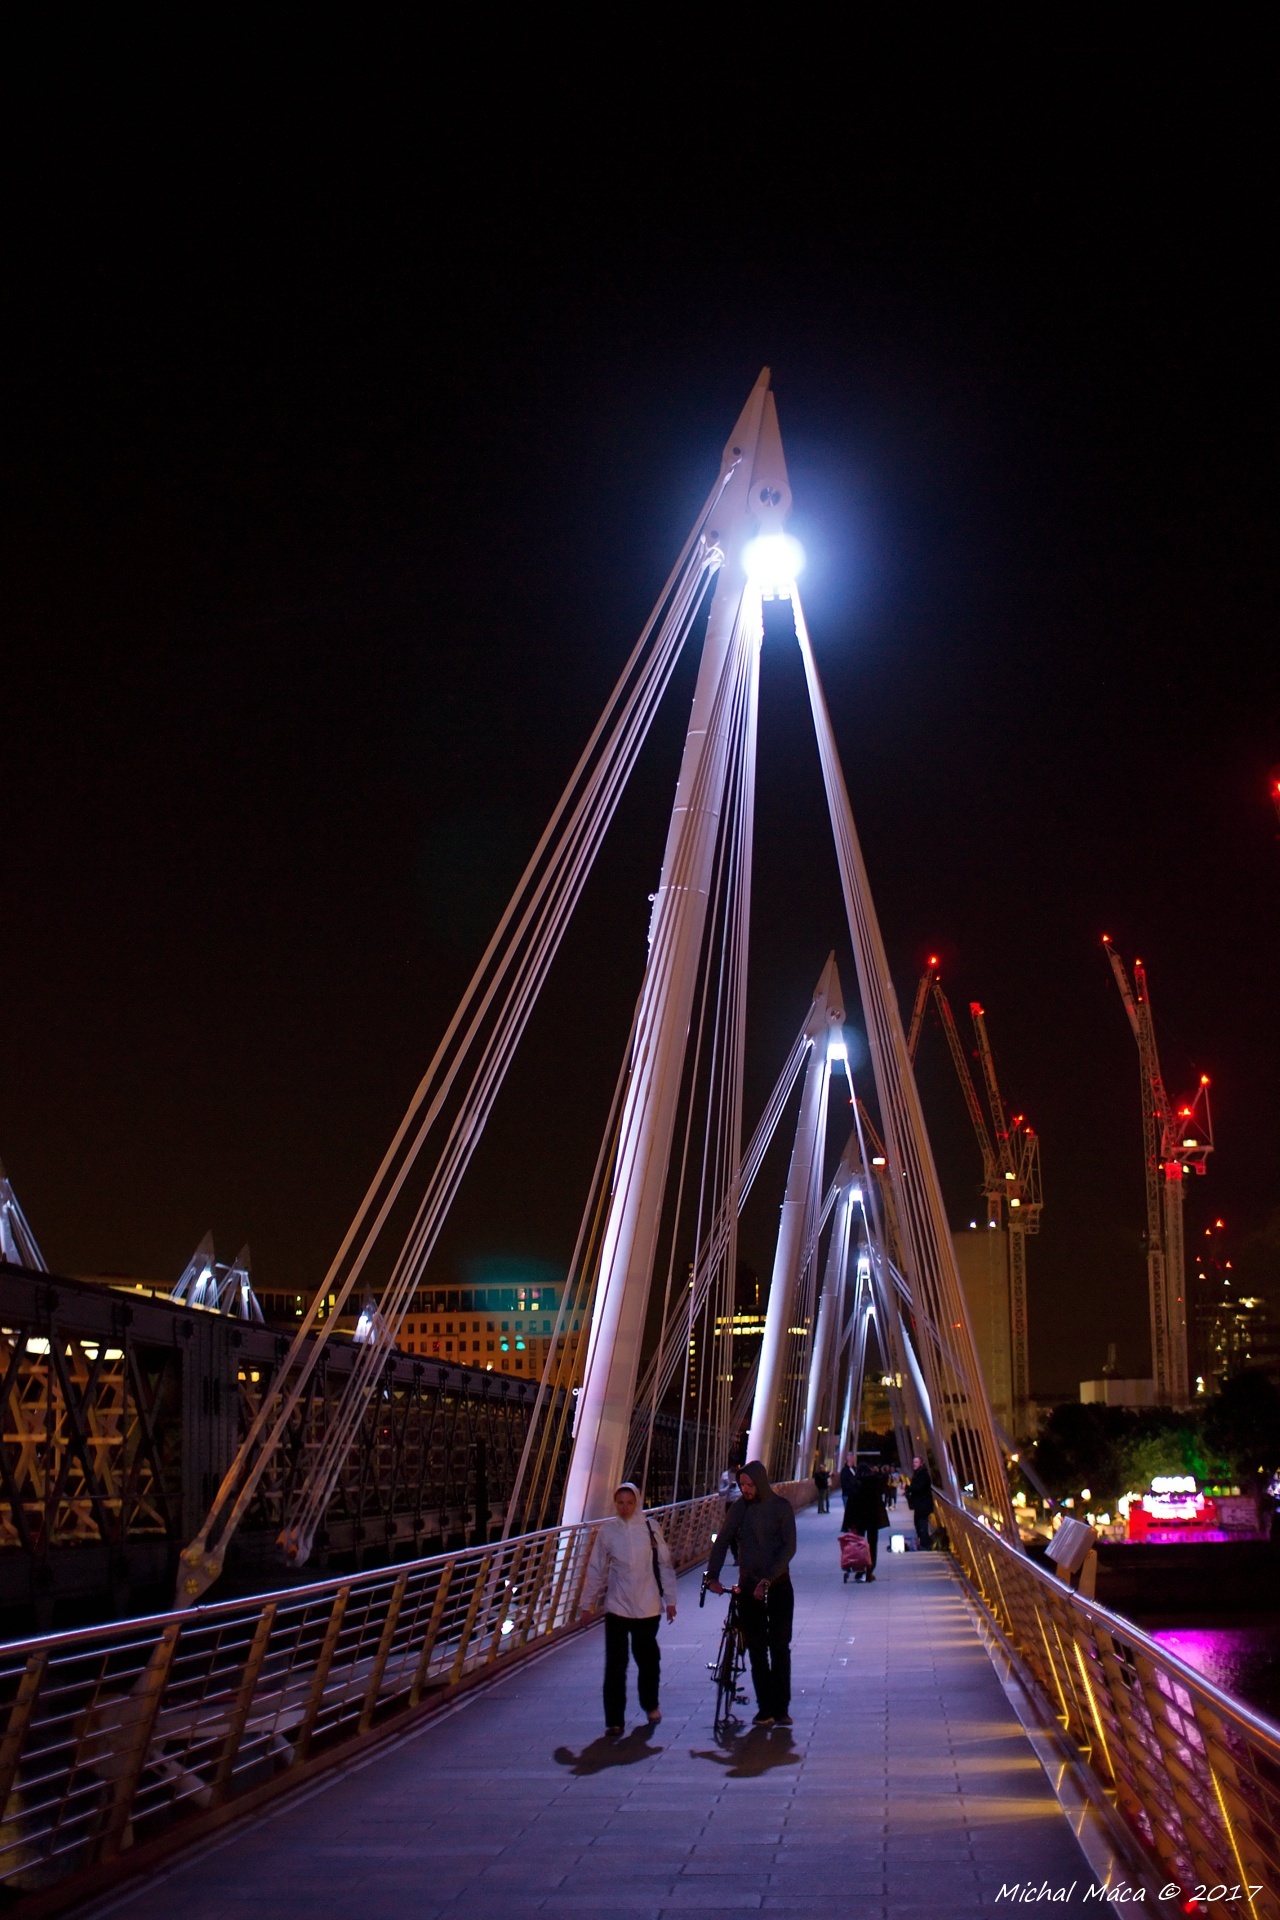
864 1513
822 1481
631 1574
920 1499
848 1475
762 1528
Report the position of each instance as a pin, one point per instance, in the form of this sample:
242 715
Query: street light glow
772 561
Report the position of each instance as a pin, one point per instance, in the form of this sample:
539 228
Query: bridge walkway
907 1786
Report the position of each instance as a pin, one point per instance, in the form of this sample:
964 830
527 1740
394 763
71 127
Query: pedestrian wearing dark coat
762 1526
920 1499
865 1513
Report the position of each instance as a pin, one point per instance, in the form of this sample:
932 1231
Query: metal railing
1194 1774
113 1736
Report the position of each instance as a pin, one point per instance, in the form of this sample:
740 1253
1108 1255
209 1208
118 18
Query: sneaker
655 1716
614 1733
783 1720
871 1576
763 1720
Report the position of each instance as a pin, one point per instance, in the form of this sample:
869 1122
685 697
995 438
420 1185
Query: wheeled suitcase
855 1554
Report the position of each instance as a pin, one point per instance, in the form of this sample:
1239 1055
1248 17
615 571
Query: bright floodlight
836 1048
773 560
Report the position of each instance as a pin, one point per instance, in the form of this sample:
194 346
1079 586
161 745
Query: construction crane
1010 1152
1174 1139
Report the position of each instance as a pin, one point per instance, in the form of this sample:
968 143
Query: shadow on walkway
745 1756
609 1751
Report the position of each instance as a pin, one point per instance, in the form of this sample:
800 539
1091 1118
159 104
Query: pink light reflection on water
1243 1660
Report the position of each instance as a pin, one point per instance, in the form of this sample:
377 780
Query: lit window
519 1346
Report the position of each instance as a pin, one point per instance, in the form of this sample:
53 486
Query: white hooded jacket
620 1570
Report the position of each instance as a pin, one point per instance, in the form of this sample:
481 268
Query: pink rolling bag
855 1554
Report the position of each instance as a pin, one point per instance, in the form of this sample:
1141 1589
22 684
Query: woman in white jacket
631 1575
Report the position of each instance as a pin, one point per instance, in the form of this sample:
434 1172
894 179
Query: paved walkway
907 1786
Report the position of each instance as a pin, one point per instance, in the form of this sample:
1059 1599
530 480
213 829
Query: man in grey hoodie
762 1527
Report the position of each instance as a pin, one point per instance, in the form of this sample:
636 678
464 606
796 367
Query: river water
1241 1656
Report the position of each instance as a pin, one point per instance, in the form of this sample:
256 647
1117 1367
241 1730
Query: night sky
353 414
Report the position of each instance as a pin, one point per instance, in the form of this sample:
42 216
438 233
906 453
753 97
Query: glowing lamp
836 1048
772 561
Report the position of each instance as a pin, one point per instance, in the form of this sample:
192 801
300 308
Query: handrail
113 1736
1194 1774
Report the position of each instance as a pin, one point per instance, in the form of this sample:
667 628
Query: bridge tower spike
830 1305
754 500
795 1222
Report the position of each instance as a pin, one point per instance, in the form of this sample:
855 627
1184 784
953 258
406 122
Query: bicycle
730 1663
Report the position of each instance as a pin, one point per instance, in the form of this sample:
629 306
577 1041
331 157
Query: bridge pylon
753 503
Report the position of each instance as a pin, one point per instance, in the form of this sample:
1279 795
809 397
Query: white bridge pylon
797 1226
949 1394
684 1064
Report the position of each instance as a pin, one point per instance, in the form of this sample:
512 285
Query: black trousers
922 1518
766 1627
642 1635
873 1541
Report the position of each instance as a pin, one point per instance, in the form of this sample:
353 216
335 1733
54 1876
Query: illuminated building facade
1231 1327
502 1329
